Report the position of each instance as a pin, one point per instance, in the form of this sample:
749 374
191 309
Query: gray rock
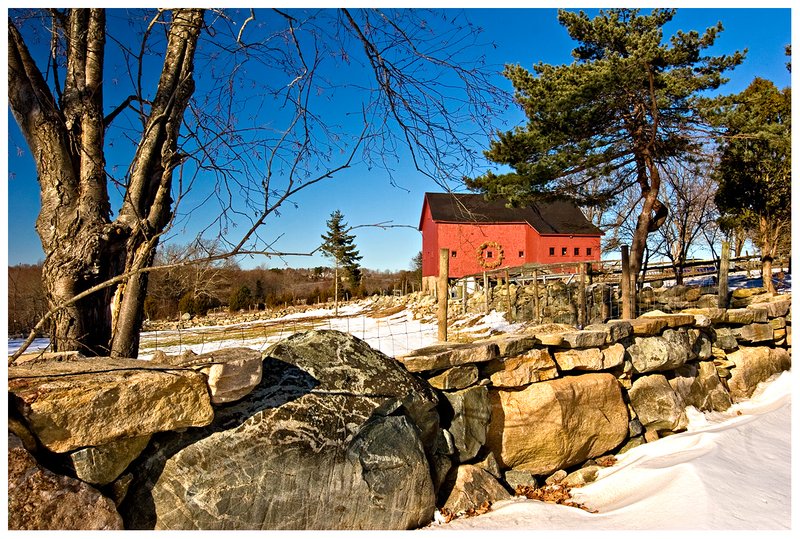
514 345
490 465
725 339
701 344
657 405
671 350
102 465
441 458
38 499
516 478
334 437
471 416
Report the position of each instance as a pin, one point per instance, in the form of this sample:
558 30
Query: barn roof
557 217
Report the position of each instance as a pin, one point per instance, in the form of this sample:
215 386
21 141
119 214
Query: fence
578 293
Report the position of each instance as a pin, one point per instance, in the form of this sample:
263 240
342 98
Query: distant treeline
198 289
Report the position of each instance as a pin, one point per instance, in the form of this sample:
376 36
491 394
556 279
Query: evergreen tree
610 118
339 246
754 171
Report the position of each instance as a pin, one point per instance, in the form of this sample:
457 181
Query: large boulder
334 437
38 499
558 423
80 402
753 365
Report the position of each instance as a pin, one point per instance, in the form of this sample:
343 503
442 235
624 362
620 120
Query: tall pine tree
340 247
755 169
610 118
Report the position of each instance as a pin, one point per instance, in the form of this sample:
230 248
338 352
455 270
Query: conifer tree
754 172
613 116
340 247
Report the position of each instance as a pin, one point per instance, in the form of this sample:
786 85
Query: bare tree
689 195
246 111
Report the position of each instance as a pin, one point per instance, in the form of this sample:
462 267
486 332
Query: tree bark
82 246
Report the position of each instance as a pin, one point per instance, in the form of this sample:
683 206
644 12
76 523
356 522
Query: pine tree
754 171
339 246
613 116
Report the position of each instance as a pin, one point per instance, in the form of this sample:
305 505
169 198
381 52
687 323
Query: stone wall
322 431
551 400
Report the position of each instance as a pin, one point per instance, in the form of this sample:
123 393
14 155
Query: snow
728 471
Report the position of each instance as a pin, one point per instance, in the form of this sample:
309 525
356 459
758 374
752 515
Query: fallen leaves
557 494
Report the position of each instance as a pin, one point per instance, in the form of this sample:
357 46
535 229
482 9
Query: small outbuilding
486 235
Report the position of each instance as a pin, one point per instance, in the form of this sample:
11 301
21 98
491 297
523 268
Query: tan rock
583 339
514 345
647 326
716 315
471 488
549 334
739 316
443 356
589 359
232 373
455 378
532 366
778 307
753 365
754 333
557 424
613 356
93 401
777 323
672 320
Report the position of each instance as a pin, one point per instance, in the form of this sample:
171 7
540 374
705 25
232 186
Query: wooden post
485 293
581 295
724 264
536 307
464 296
625 285
508 297
441 287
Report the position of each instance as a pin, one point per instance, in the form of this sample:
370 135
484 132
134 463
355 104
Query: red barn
484 235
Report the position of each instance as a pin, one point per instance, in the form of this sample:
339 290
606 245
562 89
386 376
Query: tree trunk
82 247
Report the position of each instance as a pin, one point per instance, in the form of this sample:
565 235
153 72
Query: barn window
488 254
552 251
588 251
563 251
577 251
521 254
453 254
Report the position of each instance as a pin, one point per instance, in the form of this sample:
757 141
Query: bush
240 299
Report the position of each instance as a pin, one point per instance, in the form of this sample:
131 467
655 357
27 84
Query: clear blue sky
523 36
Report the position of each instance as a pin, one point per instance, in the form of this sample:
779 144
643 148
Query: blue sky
523 36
